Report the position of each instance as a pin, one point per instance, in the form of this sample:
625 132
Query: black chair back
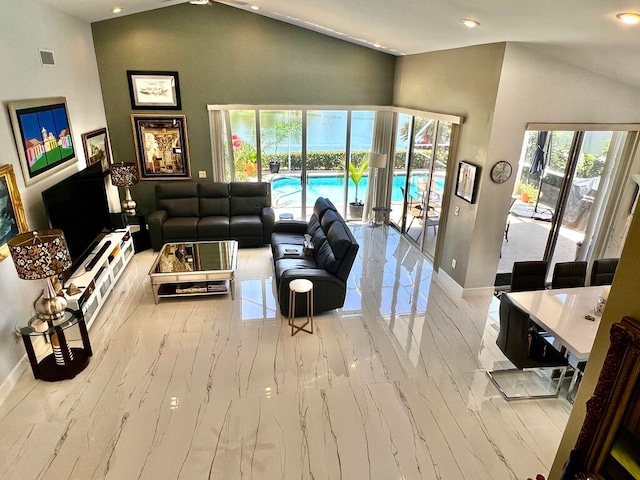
527 276
569 275
521 344
513 336
603 271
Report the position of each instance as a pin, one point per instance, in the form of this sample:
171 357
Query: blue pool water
286 191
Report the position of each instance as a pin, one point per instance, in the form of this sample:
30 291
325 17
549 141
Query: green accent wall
225 55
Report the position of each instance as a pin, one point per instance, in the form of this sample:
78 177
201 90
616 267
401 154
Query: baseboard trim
455 290
449 284
12 379
478 292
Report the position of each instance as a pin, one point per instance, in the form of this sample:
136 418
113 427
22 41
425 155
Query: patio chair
569 275
603 271
416 208
525 348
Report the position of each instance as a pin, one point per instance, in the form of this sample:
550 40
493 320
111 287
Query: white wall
535 88
26 25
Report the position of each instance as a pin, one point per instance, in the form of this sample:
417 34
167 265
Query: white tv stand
96 283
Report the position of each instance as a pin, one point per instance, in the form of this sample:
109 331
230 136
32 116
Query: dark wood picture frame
162 146
610 401
154 90
97 148
467 181
12 218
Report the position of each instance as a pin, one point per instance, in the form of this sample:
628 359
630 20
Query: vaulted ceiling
583 32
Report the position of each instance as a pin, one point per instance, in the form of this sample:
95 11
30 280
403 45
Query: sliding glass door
304 154
559 179
420 164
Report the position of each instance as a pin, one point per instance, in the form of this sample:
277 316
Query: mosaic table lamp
42 255
125 175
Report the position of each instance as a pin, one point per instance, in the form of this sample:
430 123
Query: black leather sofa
191 211
328 265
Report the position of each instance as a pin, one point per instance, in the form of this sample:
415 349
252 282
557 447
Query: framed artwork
162 149
12 218
96 148
467 181
43 137
154 90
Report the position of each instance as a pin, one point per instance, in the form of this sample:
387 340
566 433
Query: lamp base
129 207
50 306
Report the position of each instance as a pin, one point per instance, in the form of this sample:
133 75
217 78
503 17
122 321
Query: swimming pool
287 191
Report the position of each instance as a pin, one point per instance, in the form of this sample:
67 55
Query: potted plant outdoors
356 172
528 192
283 130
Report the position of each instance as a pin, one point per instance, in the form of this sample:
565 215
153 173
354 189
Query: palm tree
356 172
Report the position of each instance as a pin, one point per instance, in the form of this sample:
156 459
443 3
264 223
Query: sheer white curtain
217 122
382 143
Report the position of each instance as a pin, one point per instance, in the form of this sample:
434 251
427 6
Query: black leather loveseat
327 265
191 211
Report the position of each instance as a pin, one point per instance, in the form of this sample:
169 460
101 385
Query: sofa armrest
155 221
329 291
290 226
268 221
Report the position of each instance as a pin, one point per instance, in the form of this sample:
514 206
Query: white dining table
562 312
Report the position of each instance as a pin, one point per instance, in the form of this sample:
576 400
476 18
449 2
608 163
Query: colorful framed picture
43 137
466 182
97 148
12 218
154 90
162 147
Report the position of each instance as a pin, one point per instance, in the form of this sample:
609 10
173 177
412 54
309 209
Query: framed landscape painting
12 218
43 137
96 148
466 181
162 148
154 90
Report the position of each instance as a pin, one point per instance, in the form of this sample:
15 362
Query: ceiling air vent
46 58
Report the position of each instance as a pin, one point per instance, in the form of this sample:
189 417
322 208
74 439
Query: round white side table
300 286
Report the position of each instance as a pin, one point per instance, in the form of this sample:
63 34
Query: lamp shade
40 254
124 174
378 160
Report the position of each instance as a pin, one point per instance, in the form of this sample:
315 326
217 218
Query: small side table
141 238
381 214
300 285
64 361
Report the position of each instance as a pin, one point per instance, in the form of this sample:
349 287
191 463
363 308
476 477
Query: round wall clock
501 171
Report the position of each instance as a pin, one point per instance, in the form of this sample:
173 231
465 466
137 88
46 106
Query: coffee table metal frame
158 279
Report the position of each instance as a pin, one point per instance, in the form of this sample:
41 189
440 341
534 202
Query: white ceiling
582 32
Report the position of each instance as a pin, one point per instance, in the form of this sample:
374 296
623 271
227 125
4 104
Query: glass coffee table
187 269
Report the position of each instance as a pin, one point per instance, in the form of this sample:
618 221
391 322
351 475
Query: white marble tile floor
392 386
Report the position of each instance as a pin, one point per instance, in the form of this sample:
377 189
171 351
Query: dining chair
569 275
527 276
526 349
603 271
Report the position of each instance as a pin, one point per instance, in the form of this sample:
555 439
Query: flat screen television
79 207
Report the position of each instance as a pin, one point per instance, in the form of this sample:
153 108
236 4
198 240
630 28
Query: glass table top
34 326
196 257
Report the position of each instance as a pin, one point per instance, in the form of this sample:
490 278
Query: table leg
31 354
232 287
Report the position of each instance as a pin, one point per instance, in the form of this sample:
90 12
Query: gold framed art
162 147
12 218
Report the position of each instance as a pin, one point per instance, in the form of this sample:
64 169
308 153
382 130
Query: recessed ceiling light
467 22
629 18
255 7
377 45
116 9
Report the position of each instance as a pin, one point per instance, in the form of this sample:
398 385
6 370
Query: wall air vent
46 58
